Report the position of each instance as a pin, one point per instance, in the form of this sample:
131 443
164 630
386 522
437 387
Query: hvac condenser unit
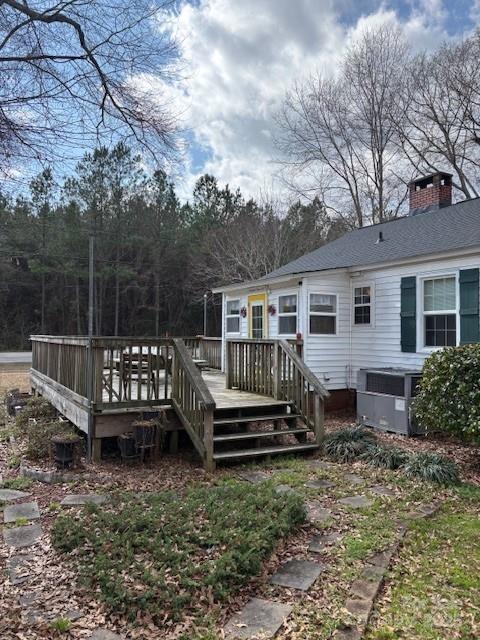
384 399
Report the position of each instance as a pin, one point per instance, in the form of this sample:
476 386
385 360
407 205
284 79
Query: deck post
228 372
208 441
318 410
96 449
277 383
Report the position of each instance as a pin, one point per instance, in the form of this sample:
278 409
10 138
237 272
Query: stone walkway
262 618
22 532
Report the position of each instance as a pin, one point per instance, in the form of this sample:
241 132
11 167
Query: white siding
335 359
379 345
328 355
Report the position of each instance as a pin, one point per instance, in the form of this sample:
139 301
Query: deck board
216 383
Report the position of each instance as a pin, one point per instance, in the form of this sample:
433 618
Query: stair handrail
193 402
305 371
194 374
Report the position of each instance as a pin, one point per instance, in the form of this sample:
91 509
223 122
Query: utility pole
205 296
91 287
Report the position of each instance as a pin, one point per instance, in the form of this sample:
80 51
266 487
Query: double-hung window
287 314
233 316
322 313
440 312
362 305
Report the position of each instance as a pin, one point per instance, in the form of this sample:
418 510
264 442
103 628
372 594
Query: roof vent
430 192
380 237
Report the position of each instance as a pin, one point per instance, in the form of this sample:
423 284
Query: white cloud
241 57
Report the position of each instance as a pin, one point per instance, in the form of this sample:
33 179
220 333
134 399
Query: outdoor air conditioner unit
384 399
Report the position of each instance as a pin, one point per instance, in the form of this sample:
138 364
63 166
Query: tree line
155 257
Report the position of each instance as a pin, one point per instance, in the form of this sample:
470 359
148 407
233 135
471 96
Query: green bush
347 444
431 467
385 456
449 392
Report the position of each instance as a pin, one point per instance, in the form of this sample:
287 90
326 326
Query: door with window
257 316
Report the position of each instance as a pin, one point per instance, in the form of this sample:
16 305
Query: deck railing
273 368
193 401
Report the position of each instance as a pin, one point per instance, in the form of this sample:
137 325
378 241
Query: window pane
439 294
320 302
287 324
233 325
233 307
287 304
362 295
440 331
322 324
362 314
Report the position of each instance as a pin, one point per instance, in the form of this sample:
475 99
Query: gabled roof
431 232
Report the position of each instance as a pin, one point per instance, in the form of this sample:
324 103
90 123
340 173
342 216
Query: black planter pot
144 433
127 446
64 451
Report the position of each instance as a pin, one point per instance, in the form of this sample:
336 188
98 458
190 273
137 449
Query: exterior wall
336 359
379 345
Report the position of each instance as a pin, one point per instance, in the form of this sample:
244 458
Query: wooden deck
103 383
216 382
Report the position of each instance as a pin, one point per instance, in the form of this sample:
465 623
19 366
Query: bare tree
74 71
441 124
340 131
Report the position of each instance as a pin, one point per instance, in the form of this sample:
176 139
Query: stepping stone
79 499
319 484
32 616
254 476
11 494
105 634
349 633
354 479
316 513
22 536
365 589
382 559
18 569
28 510
357 502
74 615
428 510
319 543
381 490
297 574
373 572
284 488
359 608
258 618
29 598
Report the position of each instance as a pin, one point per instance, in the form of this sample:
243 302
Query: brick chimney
430 192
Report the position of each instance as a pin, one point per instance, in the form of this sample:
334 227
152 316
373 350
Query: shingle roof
435 231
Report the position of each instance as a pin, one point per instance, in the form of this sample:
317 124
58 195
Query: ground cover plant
347 444
164 552
431 467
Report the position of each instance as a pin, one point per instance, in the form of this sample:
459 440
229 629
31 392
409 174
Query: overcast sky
240 56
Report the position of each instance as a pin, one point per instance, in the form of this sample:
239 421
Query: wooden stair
238 432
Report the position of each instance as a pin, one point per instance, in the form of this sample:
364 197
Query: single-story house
385 295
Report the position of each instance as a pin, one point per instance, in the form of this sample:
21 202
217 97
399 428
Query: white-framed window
440 311
322 314
362 304
287 314
233 316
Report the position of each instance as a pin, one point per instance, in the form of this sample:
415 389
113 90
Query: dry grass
14 378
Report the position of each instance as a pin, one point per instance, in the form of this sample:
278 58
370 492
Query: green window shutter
469 299
408 314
